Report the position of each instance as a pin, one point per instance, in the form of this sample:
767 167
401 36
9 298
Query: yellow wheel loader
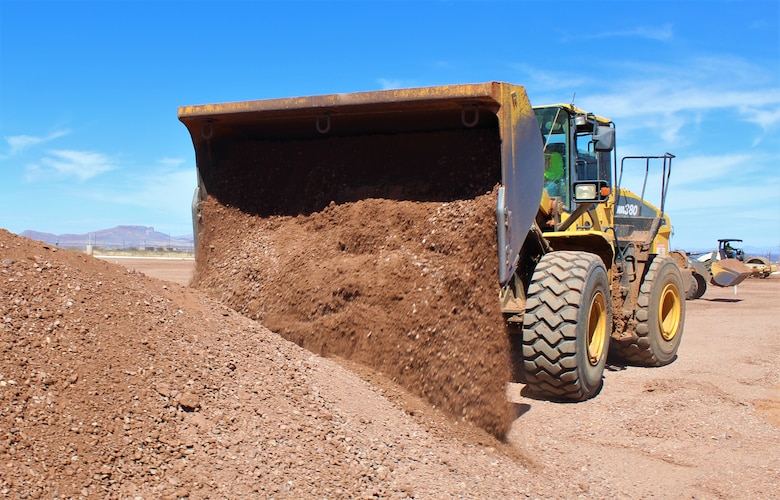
756 266
583 265
727 266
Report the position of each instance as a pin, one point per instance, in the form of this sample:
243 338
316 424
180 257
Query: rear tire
698 286
567 326
660 316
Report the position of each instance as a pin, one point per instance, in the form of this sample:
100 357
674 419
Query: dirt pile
116 385
408 288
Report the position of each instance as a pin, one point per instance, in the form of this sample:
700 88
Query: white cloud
731 196
659 33
18 143
668 98
171 162
694 83
673 103
444 65
703 170
82 165
167 190
767 119
709 181
550 81
700 217
387 84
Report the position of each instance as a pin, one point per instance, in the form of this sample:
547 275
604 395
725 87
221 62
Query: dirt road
707 426
176 270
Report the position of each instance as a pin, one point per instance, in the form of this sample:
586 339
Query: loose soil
407 288
114 384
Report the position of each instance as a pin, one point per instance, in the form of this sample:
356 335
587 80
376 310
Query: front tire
660 316
566 326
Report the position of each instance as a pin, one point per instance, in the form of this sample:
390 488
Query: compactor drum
582 266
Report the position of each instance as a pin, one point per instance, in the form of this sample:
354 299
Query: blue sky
89 91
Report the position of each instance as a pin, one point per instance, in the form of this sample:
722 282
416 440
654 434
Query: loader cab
728 250
578 148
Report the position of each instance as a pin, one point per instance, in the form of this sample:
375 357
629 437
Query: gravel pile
117 385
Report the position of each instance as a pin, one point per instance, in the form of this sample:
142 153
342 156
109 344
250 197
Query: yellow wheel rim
597 329
669 313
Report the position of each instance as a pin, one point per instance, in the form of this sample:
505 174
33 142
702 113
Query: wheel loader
760 267
757 266
727 266
583 266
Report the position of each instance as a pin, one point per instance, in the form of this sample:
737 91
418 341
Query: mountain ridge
118 237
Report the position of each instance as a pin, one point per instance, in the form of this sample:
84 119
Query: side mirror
604 139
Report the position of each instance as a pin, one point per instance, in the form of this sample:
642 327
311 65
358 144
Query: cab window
589 164
555 128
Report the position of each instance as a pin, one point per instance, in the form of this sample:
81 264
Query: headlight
591 191
585 192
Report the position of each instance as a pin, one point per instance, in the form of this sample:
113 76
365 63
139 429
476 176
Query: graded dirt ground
168 269
114 384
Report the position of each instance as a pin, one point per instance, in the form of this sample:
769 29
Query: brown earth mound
116 385
408 288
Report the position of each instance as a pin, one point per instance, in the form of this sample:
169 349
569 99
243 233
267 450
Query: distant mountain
119 237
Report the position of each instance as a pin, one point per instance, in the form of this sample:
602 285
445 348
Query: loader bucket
294 156
729 272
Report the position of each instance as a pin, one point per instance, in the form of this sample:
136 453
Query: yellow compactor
583 264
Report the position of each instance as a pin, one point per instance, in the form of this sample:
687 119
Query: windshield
554 126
